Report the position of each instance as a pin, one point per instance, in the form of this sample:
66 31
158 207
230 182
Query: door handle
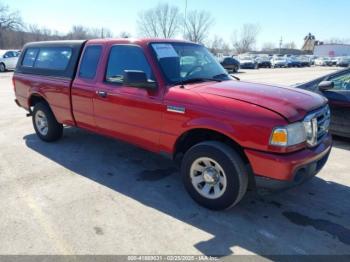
102 94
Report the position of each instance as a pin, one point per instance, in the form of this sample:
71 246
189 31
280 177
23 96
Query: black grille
323 121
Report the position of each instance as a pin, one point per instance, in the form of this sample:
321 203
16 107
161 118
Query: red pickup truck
173 98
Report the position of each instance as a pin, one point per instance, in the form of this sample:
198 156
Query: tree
290 45
124 34
9 21
98 33
268 46
160 21
197 25
78 32
218 45
245 40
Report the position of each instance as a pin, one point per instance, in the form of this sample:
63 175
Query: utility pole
281 42
185 18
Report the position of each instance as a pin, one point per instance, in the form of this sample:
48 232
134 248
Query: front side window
53 58
89 62
185 61
341 82
126 57
29 57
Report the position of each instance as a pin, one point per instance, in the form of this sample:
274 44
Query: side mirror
138 79
325 85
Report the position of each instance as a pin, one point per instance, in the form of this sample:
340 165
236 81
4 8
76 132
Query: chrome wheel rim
41 123
208 178
2 68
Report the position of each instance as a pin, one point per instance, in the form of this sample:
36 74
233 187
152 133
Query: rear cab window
89 62
30 57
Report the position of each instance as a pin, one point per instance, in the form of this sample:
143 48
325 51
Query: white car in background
279 61
8 59
323 61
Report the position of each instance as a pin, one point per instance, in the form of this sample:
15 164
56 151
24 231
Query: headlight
290 135
311 131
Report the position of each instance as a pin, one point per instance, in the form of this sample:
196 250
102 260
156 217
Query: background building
332 50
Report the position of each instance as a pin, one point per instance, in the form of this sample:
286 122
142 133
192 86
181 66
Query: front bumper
281 171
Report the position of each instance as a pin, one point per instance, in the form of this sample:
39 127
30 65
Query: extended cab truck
174 98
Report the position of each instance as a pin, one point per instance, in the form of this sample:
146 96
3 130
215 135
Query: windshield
181 62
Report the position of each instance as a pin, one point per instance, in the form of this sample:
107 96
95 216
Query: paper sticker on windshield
164 50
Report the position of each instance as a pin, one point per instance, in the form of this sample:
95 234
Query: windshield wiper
196 80
226 75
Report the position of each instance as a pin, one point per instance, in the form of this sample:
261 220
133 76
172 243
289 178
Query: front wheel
45 124
214 175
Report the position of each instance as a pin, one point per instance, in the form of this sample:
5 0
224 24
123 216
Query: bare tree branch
9 20
245 40
161 21
198 24
218 45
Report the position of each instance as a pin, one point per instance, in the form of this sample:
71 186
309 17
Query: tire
2 67
45 124
232 178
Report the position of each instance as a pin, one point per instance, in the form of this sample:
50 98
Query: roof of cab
135 41
80 43
56 43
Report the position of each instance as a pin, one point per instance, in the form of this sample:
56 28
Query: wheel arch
197 135
35 98
3 63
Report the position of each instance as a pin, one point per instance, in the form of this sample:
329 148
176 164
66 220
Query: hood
293 104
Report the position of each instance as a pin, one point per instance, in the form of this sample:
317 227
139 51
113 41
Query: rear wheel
214 175
2 67
45 124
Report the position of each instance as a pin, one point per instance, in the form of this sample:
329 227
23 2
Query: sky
290 20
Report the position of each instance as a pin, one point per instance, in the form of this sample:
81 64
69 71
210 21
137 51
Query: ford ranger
173 98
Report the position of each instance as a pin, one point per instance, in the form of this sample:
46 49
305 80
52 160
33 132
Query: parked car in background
343 62
336 87
279 61
226 134
264 61
305 61
293 61
323 61
334 61
248 62
230 64
8 59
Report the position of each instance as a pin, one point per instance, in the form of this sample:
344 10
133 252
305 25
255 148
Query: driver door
125 112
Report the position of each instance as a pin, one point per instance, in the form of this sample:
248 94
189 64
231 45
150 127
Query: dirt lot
88 194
